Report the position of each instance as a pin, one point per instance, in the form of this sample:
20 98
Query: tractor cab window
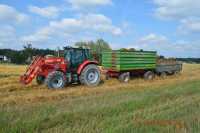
74 57
77 57
68 56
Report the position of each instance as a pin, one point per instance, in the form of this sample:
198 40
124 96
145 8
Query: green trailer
123 64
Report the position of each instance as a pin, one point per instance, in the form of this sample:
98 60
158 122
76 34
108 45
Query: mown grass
169 105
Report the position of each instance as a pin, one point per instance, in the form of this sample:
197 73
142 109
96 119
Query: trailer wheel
107 76
124 77
149 75
163 75
176 72
90 76
40 79
55 80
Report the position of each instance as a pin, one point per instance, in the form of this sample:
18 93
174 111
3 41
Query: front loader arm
32 70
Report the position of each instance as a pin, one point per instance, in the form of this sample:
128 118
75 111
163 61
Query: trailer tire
149 75
124 77
163 75
55 80
40 79
107 77
90 75
176 72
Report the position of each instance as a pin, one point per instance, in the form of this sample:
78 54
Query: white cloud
153 42
185 12
166 47
49 12
8 37
78 4
153 39
190 25
100 23
163 46
9 14
177 9
10 18
68 27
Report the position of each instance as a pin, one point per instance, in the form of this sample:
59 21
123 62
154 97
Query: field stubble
12 92
161 105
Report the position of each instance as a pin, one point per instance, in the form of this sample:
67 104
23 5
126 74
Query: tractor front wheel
55 80
90 76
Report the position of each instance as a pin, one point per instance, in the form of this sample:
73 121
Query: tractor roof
68 48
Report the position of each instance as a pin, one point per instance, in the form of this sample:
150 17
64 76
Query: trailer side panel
127 61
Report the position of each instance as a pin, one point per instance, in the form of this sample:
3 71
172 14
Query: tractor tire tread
83 73
51 75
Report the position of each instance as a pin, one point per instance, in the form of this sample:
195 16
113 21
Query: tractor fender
84 64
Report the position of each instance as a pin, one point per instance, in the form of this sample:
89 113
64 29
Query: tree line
25 55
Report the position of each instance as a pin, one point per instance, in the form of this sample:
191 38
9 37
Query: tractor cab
75 57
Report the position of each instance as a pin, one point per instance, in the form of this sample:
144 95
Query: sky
170 27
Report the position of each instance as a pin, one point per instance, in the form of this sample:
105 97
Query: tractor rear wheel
40 79
90 76
55 80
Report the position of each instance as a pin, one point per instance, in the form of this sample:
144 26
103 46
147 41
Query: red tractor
76 66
